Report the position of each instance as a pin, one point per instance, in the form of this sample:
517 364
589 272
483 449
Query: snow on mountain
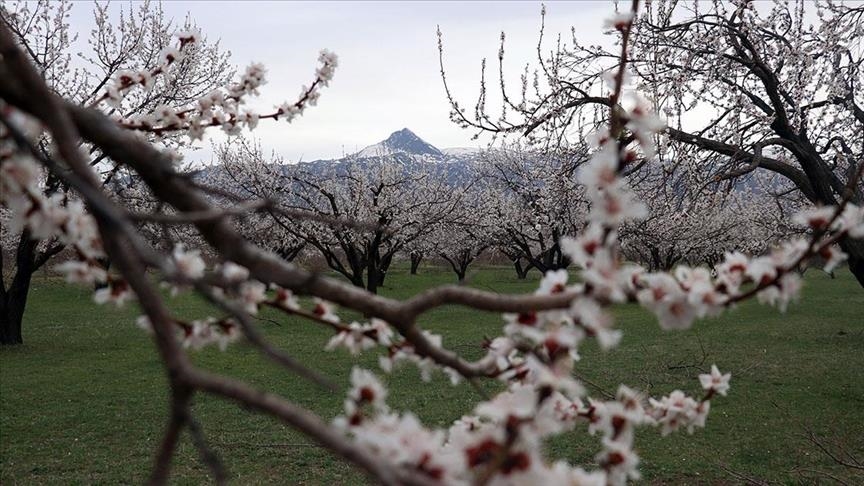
403 148
400 141
460 151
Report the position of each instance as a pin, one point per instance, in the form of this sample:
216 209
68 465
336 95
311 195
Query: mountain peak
401 141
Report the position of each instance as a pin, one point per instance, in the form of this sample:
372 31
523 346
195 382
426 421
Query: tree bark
521 272
373 279
12 309
416 258
14 299
459 264
855 250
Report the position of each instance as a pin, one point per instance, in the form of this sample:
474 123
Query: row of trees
514 204
771 89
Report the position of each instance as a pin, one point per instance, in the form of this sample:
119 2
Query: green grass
84 400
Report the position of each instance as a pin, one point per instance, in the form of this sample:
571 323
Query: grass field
83 401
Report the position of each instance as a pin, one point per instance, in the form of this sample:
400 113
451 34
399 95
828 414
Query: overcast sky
388 76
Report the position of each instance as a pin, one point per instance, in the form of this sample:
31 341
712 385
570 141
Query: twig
208 456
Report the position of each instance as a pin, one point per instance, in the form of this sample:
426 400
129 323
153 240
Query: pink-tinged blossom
46 217
403 441
80 230
762 270
356 337
676 411
782 293
252 293
189 36
564 474
644 125
227 332
675 313
833 256
168 56
601 171
597 322
620 462
618 21
329 61
789 252
405 352
367 390
852 220
665 297
197 335
249 118
125 78
213 99
706 299
556 377
525 326
285 298
231 127
232 272
324 310
519 402
79 272
617 205
715 381
20 176
629 278
582 250
602 276
195 130
188 264
113 97
166 116
732 271
816 218
688 277
553 282
501 351
116 292
288 111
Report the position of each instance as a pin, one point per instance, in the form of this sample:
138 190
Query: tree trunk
384 267
521 272
459 265
655 263
373 279
14 299
416 258
12 310
855 250
290 253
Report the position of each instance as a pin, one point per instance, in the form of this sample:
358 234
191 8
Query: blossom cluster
200 333
222 108
124 80
500 442
57 216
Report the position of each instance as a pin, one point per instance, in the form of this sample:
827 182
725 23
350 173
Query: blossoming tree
538 200
746 86
499 440
398 204
138 41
